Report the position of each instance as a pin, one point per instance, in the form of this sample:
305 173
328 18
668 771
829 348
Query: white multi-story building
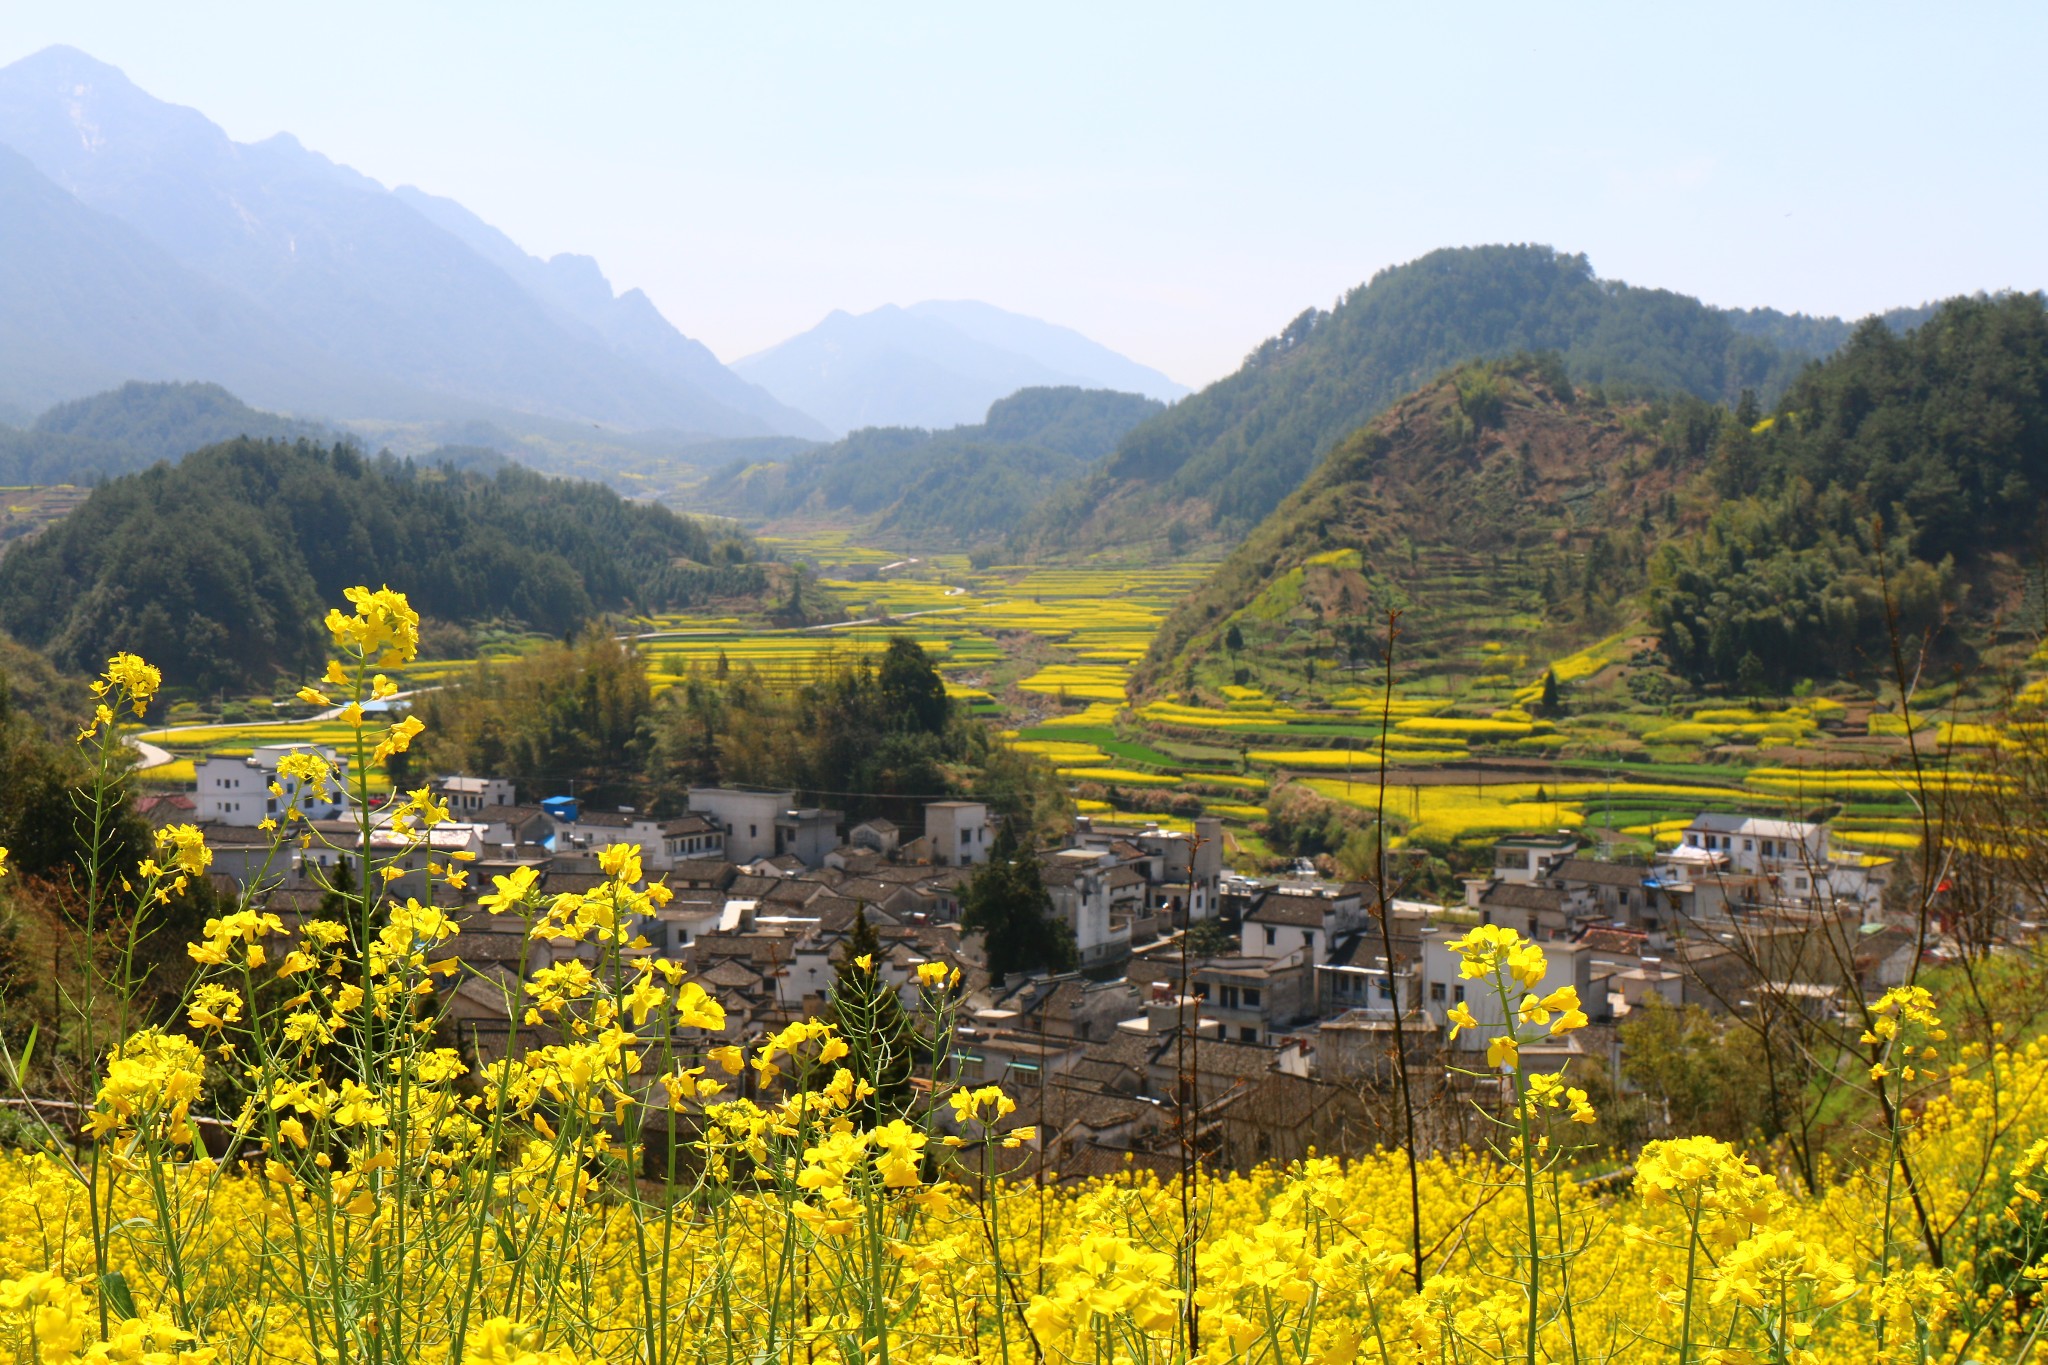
596 830
959 832
237 791
1097 897
468 795
1303 917
1759 847
748 818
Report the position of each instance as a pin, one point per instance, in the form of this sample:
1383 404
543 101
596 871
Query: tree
1549 692
1233 639
1007 904
1209 939
217 568
1704 1076
1749 675
912 692
871 1021
41 786
1748 411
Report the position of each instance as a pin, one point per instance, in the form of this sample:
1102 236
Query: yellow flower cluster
152 1081
383 630
577 1168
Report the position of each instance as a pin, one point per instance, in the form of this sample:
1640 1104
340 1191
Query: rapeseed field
305 1161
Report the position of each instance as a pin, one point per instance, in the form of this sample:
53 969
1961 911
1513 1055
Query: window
1251 996
1248 1035
1230 997
966 836
1436 991
1308 938
753 831
1458 994
1270 936
1386 988
1748 845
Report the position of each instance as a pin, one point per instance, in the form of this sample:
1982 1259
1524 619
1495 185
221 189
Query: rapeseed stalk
310 1159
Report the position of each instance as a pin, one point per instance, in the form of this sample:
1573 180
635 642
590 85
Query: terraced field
1469 748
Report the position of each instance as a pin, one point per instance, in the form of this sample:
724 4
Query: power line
761 789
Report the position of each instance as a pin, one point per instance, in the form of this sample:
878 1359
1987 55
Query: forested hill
131 428
219 568
1493 494
958 486
1500 501
1222 459
1942 434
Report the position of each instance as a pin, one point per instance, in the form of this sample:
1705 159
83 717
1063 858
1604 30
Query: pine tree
1007 903
871 1021
1549 692
1750 679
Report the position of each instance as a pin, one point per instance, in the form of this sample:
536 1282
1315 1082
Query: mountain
217 568
1537 475
1908 468
961 485
629 323
131 428
1497 503
414 317
935 364
87 301
1807 335
1224 458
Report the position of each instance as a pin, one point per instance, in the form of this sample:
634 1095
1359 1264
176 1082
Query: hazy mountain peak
935 365
65 63
407 290
580 276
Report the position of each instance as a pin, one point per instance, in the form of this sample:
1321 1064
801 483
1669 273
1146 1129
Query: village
1262 1012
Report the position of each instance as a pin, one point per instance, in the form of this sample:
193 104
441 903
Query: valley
1053 655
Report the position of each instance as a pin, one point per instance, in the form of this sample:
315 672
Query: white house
807 834
748 818
236 791
959 832
596 830
691 836
468 795
1175 863
1760 847
1098 898
1527 858
877 836
1301 917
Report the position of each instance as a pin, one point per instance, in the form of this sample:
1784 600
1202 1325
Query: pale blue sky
1176 180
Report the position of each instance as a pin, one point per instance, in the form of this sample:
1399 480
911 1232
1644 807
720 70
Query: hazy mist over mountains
936 364
318 288
139 242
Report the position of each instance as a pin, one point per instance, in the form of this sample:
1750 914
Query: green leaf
114 1289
